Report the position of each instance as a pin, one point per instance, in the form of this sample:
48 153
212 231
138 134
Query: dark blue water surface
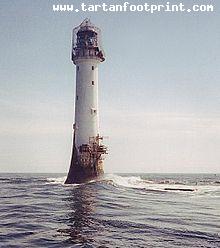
148 210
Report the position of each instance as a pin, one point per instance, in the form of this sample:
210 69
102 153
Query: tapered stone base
81 174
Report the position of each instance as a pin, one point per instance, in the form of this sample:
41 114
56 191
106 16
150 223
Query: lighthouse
88 152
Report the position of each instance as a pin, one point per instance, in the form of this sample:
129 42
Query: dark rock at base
179 189
81 174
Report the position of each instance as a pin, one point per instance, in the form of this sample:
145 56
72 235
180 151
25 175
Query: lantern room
86 42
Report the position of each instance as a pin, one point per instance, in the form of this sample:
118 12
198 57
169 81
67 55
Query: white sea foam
137 182
56 180
129 182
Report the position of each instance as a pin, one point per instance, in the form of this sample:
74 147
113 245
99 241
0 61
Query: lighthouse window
93 111
77 97
93 68
77 68
93 83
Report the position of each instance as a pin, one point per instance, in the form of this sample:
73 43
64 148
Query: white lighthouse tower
87 154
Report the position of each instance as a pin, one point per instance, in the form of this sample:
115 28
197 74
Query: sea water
124 210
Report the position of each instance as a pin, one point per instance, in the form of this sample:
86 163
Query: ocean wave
139 183
136 182
129 182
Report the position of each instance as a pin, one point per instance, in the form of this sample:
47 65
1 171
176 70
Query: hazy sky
159 88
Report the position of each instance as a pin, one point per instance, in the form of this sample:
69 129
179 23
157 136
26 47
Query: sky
159 88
